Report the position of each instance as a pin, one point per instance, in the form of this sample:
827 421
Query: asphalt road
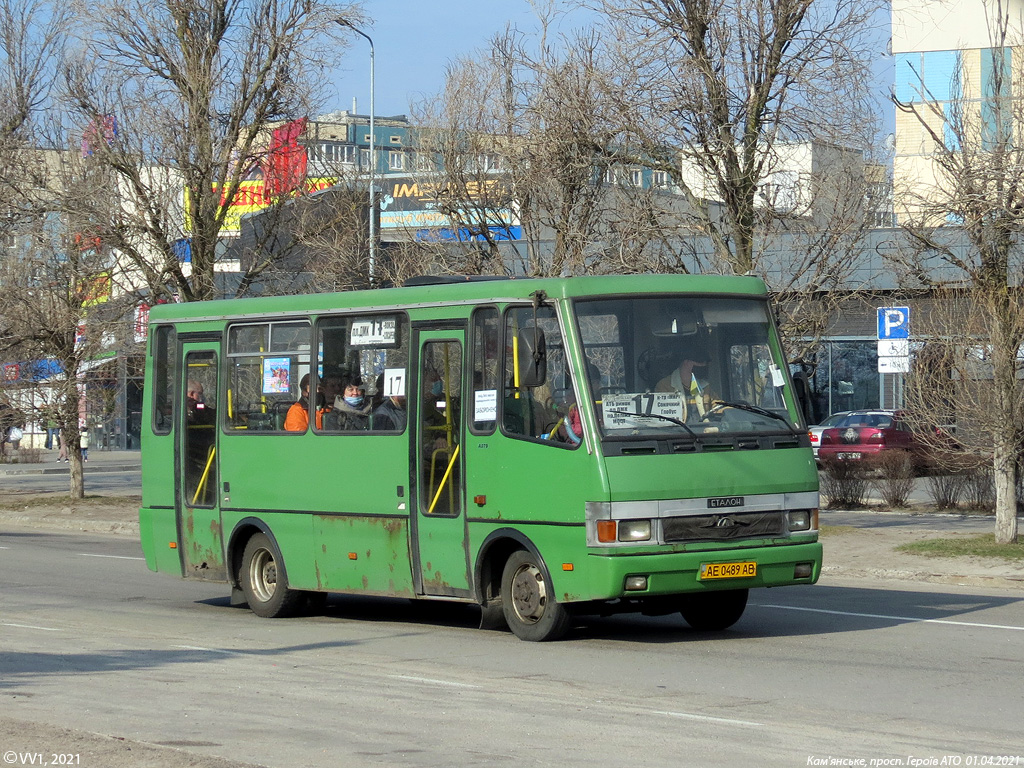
92 640
105 483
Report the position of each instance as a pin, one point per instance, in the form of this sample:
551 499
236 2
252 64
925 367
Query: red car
867 435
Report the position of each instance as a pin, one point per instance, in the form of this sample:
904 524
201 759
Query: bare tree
543 152
966 214
60 308
182 95
716 91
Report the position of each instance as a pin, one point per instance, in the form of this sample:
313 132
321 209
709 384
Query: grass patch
38 501
835 530
975 545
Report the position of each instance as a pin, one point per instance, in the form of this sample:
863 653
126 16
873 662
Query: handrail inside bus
444 479
206 473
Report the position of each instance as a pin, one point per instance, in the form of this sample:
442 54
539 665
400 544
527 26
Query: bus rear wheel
263 581
531 611
714 611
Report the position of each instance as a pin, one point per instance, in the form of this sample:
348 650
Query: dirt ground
855 553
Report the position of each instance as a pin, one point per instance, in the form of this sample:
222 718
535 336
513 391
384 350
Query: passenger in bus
686 380
297 418
328 389
351 409
569 428
196 410
390 415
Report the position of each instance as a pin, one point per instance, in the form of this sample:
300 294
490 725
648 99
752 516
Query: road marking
111 557
432 681
709 719
30 626
207 650
894 618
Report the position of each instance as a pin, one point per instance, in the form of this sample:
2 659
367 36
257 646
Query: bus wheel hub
529 593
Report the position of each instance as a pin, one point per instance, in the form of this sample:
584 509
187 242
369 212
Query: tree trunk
77 490
1005 476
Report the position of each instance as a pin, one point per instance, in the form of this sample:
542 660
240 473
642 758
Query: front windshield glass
670 366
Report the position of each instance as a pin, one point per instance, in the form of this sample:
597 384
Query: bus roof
460 291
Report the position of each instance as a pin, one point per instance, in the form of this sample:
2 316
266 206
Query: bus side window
486 357
531 412
266 362
163 379
367 351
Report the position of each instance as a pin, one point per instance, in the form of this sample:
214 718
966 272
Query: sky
415 39
413 42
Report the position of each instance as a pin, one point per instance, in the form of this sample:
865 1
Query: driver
686 379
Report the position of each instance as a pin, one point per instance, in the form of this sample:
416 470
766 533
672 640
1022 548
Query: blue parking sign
893 323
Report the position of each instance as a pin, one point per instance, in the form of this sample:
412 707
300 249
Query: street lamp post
373 154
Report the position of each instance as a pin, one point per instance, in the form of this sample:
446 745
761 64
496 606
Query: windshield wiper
682 424
720 404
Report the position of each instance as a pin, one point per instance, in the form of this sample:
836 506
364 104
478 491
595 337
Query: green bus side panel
157 470
712 473
315 473
294 537
321 499
528 481
363 554
157 531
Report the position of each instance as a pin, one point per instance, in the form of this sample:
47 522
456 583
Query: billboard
412 203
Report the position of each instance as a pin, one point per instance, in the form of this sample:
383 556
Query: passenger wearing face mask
351 408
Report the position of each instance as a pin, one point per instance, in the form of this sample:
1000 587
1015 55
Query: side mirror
531 357
802 391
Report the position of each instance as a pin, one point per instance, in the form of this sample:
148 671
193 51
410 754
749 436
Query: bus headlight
634 530
803 519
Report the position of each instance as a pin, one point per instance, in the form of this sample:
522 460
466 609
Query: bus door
441 558
200 540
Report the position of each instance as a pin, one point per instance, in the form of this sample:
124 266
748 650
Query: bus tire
714 611
263 580
531 611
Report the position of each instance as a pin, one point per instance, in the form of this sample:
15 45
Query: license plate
847 456
728 571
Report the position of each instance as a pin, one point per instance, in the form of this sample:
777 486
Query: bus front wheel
714 611
263 582
531 611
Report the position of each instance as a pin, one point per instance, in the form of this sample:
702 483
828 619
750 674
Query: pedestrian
52 433
63 455
84 443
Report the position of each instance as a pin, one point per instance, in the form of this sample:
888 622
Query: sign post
894 346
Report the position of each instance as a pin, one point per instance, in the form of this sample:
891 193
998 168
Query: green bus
541 448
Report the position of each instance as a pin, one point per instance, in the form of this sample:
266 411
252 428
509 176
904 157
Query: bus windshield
674 367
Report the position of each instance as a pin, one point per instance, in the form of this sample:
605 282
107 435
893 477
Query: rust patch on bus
392 526
437 584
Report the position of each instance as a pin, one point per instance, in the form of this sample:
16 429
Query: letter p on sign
894 322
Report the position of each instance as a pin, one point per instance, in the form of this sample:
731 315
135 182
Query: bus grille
719 527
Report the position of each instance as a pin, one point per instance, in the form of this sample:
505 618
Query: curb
36 469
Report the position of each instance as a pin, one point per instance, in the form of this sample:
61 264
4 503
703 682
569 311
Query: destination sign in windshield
629 411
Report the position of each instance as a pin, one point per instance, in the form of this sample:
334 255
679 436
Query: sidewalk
99 461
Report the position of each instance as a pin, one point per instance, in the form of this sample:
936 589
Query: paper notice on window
645 409
394 382
485 405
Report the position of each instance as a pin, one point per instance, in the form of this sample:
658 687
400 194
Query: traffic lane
930 522
462 697
875 640
112 483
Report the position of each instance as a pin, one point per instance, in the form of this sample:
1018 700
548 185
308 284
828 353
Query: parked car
814 431
866 436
